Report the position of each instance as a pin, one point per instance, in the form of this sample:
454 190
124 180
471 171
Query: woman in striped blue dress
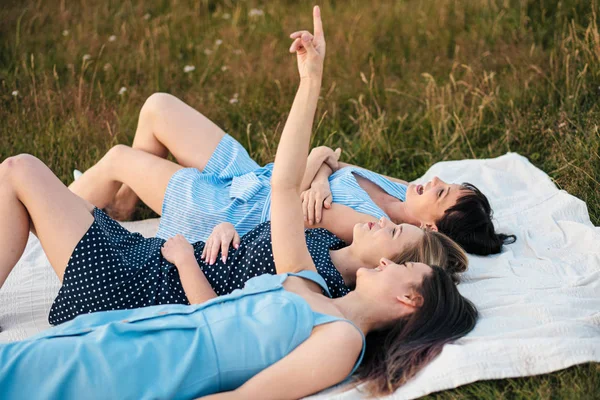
215 180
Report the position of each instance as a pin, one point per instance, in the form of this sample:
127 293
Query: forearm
316 169
194 282
292 152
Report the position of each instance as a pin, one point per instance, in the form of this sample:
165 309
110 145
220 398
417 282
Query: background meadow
407 84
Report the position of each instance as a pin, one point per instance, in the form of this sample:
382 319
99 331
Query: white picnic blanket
539 300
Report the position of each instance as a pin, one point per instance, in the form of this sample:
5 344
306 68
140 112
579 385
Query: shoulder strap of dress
321 319
312 276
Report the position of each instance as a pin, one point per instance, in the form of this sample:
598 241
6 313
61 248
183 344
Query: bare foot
123 205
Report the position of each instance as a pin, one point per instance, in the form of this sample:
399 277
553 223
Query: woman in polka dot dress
105 267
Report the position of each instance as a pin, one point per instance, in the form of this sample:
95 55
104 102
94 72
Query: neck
347 264
398 213
355 308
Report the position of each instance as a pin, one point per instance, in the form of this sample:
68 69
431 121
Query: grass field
407 84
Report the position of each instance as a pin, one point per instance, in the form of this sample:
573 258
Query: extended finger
311 209
236 240
305 205
206 247
318 208
317 22
224 248
214 251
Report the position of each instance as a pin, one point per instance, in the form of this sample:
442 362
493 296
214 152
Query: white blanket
539 300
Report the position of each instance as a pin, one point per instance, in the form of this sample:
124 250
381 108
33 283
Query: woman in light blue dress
246 344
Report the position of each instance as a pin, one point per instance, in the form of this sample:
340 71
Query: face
371 240
393 284
427 203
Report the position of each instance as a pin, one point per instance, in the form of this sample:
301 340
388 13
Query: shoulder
348 339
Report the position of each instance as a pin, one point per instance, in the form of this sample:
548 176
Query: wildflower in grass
208 52
147 16
122 91
65 32
224 68
86 57
256 12
226 16
188 68
15 93
107 67
237 52
218 42
112 38
234 99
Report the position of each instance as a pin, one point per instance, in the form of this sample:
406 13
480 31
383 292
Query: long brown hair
437 249
395 354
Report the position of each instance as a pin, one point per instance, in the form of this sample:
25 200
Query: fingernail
236 246
223 259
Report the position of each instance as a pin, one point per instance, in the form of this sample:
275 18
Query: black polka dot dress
112 269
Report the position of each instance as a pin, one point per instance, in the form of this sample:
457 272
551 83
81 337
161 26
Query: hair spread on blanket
395 354
469 222
437 249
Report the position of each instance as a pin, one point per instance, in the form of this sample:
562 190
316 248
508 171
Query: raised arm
287 226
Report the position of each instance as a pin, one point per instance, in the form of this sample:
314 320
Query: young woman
215 181
244 345
102 266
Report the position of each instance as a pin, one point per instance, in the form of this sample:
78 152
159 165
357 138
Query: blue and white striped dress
234 188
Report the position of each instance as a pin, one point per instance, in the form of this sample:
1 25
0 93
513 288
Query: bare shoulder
348 339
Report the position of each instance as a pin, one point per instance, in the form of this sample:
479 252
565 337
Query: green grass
407 84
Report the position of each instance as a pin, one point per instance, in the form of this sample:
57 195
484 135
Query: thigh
146 174
59 217
190 136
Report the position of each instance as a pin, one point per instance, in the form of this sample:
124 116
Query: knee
155 103
115 154
16 168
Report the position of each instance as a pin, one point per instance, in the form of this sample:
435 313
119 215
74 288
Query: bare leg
32 196
166 124
147 174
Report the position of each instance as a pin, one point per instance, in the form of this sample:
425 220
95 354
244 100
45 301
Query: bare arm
316 164
178 251
317 364
340 220
287 226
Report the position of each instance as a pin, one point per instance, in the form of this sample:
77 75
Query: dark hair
469 223
395 354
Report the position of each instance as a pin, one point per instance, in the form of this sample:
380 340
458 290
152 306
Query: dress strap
312 276
321 319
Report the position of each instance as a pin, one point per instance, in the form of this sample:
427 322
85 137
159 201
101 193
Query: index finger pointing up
318 24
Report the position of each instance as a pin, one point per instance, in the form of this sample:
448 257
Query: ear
429 226
412 300
384 262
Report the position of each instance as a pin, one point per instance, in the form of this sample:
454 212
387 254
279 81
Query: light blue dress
234 188
160 352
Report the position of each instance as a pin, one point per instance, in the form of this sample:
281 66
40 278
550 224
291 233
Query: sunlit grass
408 83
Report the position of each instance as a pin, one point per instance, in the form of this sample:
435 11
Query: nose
383 222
